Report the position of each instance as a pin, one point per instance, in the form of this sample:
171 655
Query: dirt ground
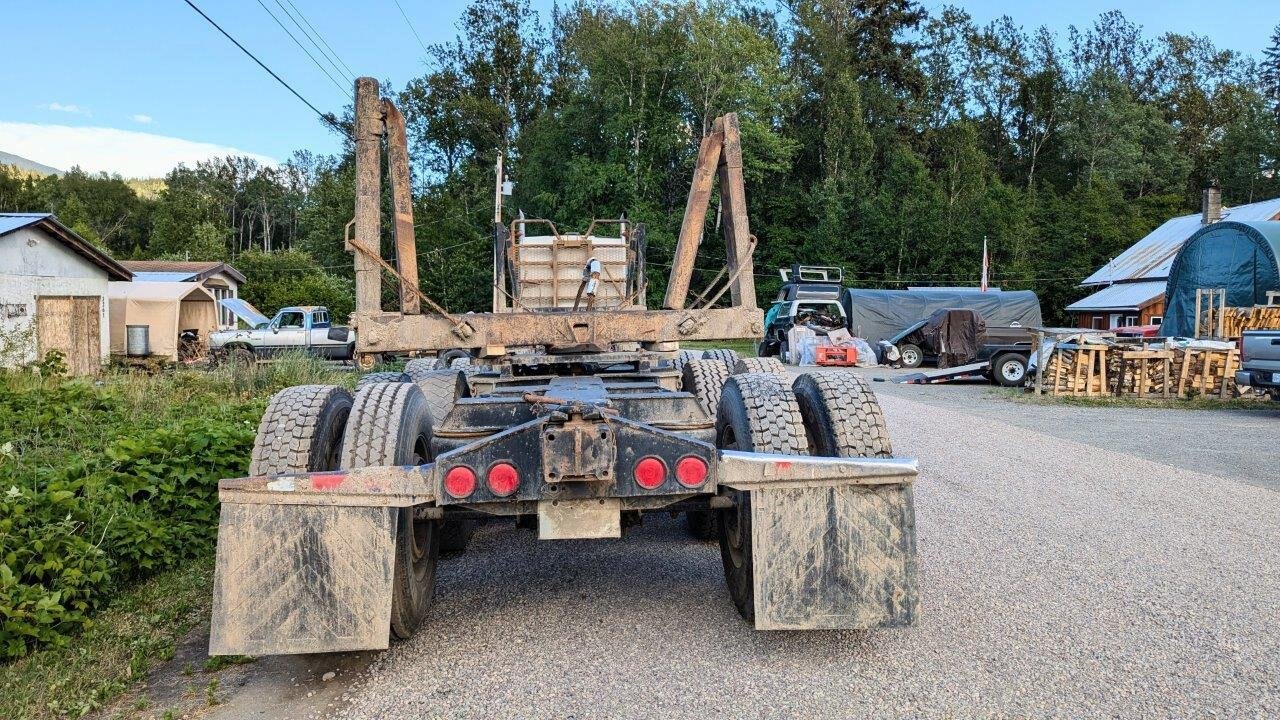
1075 561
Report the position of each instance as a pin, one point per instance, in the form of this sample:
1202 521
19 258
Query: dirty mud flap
305 563
833 539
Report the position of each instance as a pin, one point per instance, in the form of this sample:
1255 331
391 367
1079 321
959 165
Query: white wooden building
53 293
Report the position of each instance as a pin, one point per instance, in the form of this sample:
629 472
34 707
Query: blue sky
133 86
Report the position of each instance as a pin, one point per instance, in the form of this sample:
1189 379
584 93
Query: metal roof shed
1123 296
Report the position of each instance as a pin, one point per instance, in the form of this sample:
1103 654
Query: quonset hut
1241 257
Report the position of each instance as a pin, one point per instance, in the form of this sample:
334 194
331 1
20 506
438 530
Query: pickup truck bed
1260 361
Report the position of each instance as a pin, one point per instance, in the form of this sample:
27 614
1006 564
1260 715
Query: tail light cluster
502 479
651 472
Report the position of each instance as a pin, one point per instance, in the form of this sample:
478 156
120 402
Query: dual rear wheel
313 428
823 413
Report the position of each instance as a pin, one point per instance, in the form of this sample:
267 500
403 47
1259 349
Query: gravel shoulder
1058 579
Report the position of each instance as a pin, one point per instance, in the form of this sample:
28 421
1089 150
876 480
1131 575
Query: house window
1156 320
1130 320
1096 322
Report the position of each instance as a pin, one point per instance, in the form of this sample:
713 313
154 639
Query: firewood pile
1135 371
1260 317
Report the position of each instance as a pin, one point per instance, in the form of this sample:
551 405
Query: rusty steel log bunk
573 411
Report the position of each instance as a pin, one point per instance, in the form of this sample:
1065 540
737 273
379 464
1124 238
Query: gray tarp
880 314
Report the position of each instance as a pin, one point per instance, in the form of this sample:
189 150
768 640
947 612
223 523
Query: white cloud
97 149
66 108
144 119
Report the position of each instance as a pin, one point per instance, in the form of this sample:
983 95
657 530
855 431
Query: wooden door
71 325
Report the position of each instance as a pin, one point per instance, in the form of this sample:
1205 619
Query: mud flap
834 556
302 579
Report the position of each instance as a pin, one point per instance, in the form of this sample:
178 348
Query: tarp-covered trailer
573 419
882 314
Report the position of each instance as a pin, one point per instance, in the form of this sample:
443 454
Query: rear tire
391 425
301 431
841 415
759 365
757 413
391 377
419 367
440 388
910 356
1009 370
725 355
705 380
446 359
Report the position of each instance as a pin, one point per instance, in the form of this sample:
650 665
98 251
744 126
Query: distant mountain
30 166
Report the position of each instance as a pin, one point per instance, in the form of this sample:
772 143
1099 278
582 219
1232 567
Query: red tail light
650 473
460 481
691 471
503 479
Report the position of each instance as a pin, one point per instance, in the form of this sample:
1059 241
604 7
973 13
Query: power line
327 118
316 40
413 30
304 49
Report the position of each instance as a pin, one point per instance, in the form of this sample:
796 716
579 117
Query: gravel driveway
1058 579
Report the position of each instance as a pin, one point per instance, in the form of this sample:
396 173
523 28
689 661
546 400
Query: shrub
110 481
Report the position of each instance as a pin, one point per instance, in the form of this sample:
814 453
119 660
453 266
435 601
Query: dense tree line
878 136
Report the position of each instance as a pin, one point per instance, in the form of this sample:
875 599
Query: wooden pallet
1208 372
1145 373
1078 370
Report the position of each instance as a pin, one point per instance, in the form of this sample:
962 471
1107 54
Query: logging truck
576 414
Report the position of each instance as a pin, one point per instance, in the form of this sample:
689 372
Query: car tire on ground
301 431
759 364
378 377
1009 370
725 355
705 379
758 413
911 356
391 424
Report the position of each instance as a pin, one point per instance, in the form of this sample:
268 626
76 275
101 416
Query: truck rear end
578 416
1260 361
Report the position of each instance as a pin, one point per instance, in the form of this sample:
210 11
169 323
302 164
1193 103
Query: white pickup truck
1260 361
307 328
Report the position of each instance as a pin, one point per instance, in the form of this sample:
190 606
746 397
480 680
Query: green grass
1195 403
744 348
140 628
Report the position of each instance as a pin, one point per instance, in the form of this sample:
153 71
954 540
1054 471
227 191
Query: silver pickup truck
307 328
1260 361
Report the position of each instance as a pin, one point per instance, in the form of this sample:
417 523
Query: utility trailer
572 419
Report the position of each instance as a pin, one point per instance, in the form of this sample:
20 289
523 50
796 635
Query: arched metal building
1241 257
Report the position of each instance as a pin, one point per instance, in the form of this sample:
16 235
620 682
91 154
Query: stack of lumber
1259 317
1208 372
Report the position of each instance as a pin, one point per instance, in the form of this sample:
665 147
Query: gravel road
1058 579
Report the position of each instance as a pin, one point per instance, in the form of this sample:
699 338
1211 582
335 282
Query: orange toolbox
837 356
